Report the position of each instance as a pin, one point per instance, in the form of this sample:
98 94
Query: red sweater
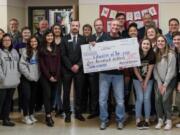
50 64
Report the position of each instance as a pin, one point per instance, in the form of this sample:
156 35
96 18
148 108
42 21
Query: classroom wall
89 10
3 14
16 9
10 9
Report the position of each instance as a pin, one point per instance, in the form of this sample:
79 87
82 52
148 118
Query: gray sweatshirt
9 74
29 68
165 70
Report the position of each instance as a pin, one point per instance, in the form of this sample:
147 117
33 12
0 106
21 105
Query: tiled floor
89 127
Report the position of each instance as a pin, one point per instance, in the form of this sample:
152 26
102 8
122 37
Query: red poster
133 13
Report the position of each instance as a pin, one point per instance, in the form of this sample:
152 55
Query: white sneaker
178 125
168 125
27 121
120 125
32 118
160 124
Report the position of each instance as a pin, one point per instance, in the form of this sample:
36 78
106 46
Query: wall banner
134 13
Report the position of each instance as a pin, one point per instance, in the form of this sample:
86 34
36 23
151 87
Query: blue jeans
143 96
117 81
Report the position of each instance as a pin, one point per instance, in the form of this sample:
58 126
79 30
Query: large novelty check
110 55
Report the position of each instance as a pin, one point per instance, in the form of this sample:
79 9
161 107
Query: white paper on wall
113 14
108 25
144 11
152 11
137 15
105 12
129 16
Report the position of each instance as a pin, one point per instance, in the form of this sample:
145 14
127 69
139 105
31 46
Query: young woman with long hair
29 68
143 83
49 58
165 82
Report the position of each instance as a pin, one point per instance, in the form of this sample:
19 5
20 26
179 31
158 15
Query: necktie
74 42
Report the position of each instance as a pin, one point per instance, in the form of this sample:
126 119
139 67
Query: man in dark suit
72 69
148 21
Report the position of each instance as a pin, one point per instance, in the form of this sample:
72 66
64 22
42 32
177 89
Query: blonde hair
164 54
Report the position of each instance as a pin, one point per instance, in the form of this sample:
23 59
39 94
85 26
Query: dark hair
173 19
44 45
175 34
25 28
120 14
29 50
2 30
11 46
14 19
75 20
147 13
88 26
150 52
151 27
132 25
1 38
52 29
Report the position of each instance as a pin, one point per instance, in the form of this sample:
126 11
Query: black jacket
103 37
71 56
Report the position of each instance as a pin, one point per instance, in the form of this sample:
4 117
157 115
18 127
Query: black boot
8 123
49 121
68 118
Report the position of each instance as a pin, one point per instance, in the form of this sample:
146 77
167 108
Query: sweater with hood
29 68
9 74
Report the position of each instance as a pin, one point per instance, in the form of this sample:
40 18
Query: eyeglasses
7 40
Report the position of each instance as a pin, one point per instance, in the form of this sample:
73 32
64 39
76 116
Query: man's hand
93 43
52 79
163 89
75 68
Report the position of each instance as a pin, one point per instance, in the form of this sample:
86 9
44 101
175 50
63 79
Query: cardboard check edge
109 55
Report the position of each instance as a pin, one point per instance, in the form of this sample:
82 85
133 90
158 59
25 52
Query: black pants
29 92
86 95
78 87
94 92
48 90
6 96
20 100
90 93
39 99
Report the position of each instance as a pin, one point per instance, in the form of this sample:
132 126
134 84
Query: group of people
42 67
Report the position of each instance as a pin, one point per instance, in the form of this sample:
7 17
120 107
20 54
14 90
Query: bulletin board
134 13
